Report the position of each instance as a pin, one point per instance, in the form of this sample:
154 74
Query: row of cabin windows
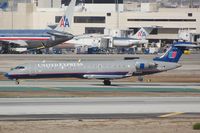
73 66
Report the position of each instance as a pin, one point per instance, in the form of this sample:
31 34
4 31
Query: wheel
107 82
140 78
16 81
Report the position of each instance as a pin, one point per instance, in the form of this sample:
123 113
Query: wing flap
95 76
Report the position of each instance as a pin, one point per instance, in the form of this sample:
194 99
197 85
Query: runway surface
96 85
98 107
101 107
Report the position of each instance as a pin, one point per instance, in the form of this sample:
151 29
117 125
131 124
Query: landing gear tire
107 82
17 82
140 78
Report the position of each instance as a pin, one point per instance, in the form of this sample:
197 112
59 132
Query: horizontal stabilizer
59 34
187 45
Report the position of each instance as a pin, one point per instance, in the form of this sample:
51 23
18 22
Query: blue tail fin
4 5
174 53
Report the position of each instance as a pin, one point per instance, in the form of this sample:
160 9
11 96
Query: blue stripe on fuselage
60 75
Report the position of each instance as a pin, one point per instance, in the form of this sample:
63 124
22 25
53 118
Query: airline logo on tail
64 22
172 54
141 34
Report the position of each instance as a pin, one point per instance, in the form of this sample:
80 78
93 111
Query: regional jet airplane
94 40
102 70
39 39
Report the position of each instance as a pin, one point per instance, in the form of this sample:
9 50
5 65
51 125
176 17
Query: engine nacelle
128 42
145 65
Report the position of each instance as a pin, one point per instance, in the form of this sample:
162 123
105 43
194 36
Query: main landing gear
107 82
141 78
16 81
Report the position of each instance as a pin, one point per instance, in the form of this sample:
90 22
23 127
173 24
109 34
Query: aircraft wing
51 43
187 45
59 34
97 76
17 42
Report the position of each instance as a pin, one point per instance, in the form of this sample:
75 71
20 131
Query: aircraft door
32 70
105 42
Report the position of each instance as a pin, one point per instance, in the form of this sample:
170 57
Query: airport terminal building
95 17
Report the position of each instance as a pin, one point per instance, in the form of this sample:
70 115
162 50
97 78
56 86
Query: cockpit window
19 67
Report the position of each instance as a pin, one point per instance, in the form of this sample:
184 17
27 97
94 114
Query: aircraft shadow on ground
127 85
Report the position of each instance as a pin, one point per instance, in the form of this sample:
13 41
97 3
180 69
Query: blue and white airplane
39 39
102 70
3 5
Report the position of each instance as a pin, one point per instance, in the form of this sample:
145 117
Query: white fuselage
90 69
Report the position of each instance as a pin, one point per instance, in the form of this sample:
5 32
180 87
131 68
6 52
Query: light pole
117 11
11 7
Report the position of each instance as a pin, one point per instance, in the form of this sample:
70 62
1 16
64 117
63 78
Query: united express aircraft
102 70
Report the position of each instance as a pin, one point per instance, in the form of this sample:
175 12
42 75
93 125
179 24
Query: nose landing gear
141 78
16 81
107 82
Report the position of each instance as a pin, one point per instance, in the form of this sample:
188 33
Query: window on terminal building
154 32
133 31
94 30
57 19
86 19
163 20
94 1
108 14
189 14
107 1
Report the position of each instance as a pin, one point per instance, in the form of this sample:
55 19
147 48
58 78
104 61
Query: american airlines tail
66 20
174 53
142 33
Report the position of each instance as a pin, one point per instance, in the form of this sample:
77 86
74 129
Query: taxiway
101 106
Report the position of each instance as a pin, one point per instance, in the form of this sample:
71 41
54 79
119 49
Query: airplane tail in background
66 20
174 53
3 5
142 33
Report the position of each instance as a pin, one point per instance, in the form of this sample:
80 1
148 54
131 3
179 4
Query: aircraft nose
7 75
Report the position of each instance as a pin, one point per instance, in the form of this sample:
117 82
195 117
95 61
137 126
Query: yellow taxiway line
171 114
